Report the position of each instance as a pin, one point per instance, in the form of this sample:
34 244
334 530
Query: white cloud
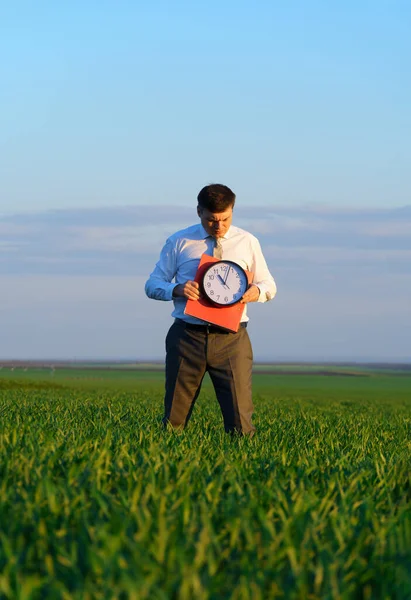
80 241
326 255
73 283
388 229
7 246
274 223
15 229
118 239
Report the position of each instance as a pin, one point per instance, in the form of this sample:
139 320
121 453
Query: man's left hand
251 295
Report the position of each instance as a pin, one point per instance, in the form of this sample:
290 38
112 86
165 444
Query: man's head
215 208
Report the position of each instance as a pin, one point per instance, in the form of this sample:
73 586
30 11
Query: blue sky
125 103
114 115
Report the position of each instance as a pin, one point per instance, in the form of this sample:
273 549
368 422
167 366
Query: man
194 347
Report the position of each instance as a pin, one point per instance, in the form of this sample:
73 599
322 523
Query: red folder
227 317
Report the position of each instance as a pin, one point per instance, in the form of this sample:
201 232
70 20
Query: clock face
224 282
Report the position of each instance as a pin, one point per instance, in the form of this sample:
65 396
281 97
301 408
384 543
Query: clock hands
217 275
226 276
222 281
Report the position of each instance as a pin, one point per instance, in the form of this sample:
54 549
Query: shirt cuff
169 291
265 292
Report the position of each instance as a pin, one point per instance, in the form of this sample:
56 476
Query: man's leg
230 360
185 369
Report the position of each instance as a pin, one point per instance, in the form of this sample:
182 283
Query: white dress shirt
180 257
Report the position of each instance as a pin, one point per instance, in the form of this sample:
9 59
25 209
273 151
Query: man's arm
160 285
263 287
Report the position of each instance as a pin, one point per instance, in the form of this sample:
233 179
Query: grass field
97 501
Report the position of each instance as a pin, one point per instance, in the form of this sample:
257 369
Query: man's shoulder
193 232
242 233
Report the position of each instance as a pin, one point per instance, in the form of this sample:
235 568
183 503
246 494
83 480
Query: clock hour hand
222 281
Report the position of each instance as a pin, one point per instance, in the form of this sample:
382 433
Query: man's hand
189 290
251 295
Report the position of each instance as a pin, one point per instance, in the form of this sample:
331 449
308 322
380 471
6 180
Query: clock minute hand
226 276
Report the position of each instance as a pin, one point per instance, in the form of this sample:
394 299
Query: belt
206 328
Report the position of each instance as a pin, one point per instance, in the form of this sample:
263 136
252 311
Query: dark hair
216 198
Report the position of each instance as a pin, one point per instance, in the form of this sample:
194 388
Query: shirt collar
229 232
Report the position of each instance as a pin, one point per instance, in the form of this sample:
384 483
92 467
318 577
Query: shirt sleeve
160 285
262 276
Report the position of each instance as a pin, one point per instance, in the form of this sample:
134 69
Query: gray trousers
227 357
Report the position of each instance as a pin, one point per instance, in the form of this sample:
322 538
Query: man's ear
199 211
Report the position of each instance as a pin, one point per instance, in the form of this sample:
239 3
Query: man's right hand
189 290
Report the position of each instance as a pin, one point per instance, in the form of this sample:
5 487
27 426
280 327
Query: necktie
218 248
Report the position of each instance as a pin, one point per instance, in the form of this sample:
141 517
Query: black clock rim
231 262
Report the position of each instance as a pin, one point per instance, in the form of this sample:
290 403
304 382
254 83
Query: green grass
97 501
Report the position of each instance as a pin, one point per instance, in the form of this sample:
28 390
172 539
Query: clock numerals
225 283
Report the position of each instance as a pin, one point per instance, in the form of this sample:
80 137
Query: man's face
215 224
